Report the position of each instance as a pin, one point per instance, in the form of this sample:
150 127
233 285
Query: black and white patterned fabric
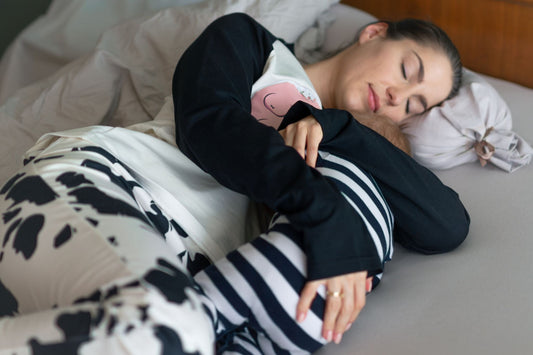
255 289
90 264
85 267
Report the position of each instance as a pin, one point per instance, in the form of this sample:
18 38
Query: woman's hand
345 298
304 136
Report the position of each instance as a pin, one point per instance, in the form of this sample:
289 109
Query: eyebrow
420 68
422 99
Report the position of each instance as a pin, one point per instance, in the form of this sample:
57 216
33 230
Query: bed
66 71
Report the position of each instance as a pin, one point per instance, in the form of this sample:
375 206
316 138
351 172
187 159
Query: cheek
352 99
395 113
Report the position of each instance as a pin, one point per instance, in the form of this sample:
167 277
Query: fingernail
329 335
348 326
300 317
338 338
369 286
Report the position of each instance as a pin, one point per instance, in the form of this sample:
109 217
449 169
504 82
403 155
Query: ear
372 31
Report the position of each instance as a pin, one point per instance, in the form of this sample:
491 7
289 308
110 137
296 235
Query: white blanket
68 30
125 79
213 216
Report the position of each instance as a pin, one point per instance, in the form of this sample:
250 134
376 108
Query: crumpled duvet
126 77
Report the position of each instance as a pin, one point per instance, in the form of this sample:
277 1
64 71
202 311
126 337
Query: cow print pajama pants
89 264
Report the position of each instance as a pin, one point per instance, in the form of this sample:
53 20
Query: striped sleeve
260 283
364 195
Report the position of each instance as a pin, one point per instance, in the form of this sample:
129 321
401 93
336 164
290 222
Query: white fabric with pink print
283 83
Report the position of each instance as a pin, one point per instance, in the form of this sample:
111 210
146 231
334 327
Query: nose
396 95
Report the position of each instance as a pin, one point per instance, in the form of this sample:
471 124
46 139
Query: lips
373 99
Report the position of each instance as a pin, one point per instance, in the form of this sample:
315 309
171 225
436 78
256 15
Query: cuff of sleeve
297 111
340 245
322 270
332 121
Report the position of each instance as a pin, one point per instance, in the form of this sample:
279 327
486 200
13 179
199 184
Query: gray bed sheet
476 299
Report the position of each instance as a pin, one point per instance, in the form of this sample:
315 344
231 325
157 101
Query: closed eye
404 74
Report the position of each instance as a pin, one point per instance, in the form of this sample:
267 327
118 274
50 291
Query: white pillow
332 30
474 125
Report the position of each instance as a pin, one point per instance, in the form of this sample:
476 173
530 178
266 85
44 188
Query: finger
307 296
369 283
359 299
333 307
300 140
313 141
283 133
345 316
287 136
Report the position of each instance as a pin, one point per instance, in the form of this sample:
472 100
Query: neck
322 76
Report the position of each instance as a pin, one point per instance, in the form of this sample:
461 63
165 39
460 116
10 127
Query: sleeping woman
394 70
94 232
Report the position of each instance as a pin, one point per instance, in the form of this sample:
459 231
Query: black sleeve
429 216
214 128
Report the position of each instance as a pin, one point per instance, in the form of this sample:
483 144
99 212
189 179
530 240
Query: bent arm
429 216
214 128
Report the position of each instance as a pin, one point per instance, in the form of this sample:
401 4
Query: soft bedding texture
475 300
72 28
68 30
125 79
474 125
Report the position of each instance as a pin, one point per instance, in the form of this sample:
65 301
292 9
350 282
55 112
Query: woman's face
392 78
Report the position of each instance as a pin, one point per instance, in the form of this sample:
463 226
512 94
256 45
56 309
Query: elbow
443 238
450 230
453 235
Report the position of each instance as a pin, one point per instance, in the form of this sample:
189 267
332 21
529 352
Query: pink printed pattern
271 104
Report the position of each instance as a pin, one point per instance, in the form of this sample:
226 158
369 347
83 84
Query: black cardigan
214 128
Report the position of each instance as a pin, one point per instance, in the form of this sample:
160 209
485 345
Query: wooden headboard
494 37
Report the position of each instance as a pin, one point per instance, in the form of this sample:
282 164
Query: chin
362 114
